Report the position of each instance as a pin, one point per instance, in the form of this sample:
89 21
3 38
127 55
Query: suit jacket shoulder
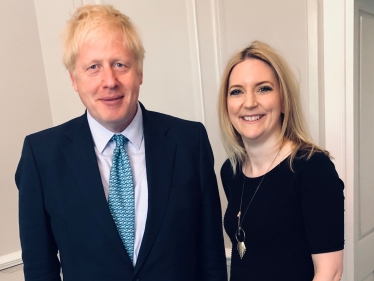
53 134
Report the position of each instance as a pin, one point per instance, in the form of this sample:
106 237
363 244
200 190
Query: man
121 193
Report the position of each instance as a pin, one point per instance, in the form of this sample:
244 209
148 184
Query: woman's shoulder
228 174
316 170
228 177
316 161
226 169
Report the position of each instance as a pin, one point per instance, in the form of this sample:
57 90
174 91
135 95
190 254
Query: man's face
107 79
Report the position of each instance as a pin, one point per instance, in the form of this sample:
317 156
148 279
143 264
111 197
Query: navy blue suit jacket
62 207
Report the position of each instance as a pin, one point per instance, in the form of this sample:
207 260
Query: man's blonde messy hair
91 20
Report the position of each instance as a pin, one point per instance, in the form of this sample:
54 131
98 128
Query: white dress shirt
104 148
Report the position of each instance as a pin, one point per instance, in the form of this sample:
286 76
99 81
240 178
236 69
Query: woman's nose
250 100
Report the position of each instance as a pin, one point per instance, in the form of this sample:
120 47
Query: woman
285 214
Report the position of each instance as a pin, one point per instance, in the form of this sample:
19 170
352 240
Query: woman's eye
235 92
265 89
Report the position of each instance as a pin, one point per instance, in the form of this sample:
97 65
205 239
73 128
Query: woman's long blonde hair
293 121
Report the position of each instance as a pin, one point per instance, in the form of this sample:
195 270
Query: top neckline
259 177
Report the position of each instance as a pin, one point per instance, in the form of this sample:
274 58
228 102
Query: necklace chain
241 199
241 246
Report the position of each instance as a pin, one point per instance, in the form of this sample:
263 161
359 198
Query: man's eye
235 92
265 89
118 64
94 66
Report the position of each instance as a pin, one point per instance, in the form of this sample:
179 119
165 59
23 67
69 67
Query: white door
364 253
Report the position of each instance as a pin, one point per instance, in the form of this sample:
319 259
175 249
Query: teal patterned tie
121 195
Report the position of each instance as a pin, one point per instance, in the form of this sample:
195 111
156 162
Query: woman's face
253 101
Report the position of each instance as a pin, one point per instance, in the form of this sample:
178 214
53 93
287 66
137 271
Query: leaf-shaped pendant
241 249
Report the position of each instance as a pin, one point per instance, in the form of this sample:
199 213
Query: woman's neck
263 157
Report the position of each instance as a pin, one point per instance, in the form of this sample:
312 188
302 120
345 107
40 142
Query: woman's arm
322 201
328 266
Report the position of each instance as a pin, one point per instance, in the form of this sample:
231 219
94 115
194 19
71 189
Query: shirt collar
101 135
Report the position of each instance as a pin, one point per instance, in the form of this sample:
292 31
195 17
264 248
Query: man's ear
73 81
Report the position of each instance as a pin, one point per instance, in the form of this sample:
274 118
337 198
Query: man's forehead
102 35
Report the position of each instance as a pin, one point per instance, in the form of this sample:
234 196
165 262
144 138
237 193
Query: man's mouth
108 99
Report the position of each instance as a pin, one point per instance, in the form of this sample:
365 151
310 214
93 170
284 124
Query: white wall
24 104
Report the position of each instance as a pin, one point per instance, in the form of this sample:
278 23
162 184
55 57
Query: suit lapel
81 159
160 152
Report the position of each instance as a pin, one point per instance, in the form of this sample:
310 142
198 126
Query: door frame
336 105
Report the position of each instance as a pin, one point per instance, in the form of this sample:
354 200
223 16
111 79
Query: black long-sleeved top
293 215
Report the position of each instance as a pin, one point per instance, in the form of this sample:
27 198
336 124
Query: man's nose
109 78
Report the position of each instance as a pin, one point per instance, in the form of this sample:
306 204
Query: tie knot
120 140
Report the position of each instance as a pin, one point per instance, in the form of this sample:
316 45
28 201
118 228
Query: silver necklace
240 232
